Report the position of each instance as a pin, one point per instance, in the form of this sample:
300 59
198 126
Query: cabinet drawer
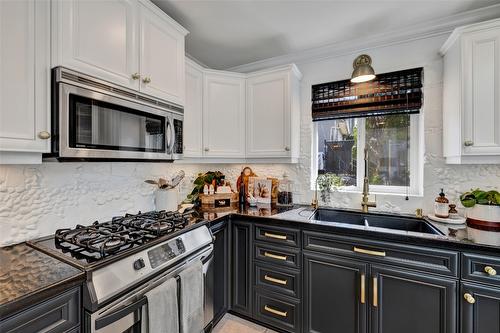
277 311
277 235
281 280
481 268
58 314
277 255
414 257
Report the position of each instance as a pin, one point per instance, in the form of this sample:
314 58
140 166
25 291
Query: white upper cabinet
24 80
193 130
223 115
272 113
471 100
98 38
162 64
127 42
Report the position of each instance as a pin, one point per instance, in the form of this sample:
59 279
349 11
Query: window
392 143
380 117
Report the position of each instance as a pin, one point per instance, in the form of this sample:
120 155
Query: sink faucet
314 202
364 201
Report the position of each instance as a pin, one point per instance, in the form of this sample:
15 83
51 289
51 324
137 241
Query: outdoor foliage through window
387 139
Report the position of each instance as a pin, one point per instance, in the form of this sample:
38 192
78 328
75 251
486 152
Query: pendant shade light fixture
363 71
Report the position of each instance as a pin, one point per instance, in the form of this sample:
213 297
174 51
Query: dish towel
191 298
162 311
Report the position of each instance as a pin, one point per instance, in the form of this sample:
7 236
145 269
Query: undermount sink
374 220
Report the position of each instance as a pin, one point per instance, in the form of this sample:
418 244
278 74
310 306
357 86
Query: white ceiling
224 34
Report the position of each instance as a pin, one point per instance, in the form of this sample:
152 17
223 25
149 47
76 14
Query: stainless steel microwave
96 120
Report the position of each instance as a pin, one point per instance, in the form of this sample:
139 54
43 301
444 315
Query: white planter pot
167 199
484 213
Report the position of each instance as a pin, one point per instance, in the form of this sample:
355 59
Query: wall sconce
363 71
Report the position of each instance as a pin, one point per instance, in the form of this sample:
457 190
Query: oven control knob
138 264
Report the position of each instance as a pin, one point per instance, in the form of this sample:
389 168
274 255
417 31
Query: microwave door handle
173 137
115 316
168 136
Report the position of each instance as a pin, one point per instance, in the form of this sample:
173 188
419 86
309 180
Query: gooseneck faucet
366 191
314 202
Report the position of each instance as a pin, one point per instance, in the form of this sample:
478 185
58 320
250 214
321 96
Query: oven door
125 314
96 125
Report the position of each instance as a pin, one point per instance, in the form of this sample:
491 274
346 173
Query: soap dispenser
441 208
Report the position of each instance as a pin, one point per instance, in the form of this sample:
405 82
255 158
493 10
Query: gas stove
130 254
100 240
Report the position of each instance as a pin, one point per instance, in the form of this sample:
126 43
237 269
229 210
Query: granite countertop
455 236
28 276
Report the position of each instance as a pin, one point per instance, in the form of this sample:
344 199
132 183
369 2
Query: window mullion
360 159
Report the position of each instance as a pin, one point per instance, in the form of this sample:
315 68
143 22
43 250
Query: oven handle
113 317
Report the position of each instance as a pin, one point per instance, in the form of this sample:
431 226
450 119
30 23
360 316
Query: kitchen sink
374 220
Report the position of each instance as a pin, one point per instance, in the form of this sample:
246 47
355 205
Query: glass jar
285 190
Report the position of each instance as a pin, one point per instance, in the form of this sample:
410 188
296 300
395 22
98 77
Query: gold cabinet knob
44 135
490 271
206 149
287 148
469 298
146 80
136 76
468 143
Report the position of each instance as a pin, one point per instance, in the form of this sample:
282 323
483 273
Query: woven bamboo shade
389 93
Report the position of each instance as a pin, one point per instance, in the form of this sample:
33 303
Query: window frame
416 144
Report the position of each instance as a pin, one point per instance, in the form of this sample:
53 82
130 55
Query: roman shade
389 93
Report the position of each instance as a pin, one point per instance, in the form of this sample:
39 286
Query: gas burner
102 239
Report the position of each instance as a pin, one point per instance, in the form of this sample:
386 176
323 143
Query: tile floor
233 324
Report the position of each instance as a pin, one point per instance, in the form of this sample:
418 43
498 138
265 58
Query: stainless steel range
127 257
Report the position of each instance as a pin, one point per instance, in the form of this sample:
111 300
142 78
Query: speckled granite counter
28 276
455 237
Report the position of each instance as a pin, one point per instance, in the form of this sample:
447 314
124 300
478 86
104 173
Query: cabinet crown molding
465 29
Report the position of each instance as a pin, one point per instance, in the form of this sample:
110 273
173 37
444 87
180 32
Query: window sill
375 192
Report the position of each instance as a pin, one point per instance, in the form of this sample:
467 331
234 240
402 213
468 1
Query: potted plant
482 205
483 216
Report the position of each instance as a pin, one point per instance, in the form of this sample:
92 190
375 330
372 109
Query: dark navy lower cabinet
480 306
411 302
56 315
221 270
241 296
335 294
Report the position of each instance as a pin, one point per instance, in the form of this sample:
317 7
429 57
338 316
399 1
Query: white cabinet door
98 38
481 92
193 131
268 115
24 76
162 57
224 115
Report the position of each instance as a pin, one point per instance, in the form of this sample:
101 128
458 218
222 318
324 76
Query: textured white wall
36 200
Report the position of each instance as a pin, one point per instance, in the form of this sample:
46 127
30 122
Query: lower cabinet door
335 294
480 308
241 297
411 302
277 310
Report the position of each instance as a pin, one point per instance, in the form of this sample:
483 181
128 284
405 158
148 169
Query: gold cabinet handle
274 311
375 292
146 80
468 143
44 135
136 76
275 280
370 252
469 298
275 236
363 290
274 256
490 271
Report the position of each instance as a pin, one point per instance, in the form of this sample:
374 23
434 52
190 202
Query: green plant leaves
480 197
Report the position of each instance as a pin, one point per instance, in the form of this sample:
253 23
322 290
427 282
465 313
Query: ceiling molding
419 31
196 60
